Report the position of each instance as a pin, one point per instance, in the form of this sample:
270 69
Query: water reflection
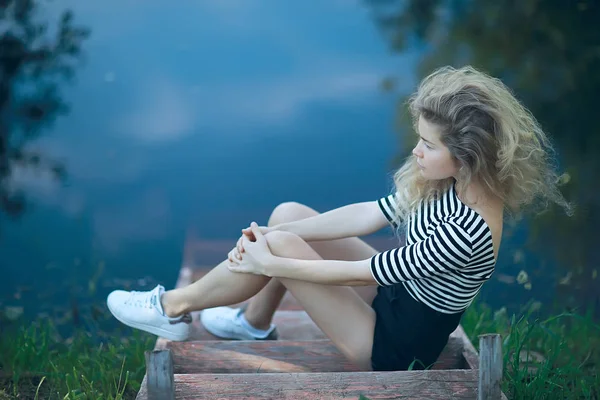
548 53
32 62
209 123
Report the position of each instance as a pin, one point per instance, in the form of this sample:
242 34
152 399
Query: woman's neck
476 196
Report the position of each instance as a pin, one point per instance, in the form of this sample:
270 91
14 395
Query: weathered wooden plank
159 375
452 355
490 367
449 384
258 357
142 394
278 356
469 353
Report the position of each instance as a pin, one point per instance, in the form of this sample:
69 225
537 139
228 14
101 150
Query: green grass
568 343
35 362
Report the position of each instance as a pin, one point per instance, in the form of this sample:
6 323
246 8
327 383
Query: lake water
206 115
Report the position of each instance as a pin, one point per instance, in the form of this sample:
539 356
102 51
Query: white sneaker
143 310
226 323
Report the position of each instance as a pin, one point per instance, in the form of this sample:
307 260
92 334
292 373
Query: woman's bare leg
337 310
220 287
262 307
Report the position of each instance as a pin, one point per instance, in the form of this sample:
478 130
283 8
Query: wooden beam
160 383
236 356
433 385
490 367
469 353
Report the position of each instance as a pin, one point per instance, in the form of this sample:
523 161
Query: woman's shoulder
492 214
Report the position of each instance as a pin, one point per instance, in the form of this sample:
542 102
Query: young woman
480 154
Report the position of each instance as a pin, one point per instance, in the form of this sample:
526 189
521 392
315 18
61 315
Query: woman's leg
261 308
220 287
337 310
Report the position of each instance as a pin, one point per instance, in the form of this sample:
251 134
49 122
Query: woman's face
432 156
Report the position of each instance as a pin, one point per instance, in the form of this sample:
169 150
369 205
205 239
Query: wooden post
160 381
490 367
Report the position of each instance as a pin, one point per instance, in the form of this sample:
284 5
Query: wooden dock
304 364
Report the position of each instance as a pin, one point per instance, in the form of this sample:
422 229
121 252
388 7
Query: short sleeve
448 248
388 207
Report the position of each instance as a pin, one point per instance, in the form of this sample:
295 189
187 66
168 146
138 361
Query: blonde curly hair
490 134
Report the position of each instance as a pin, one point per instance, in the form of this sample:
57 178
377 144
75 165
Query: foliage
31 65
553 357
543 357
547 52
36 362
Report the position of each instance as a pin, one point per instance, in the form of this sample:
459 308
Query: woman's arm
327 272
357 219
448 248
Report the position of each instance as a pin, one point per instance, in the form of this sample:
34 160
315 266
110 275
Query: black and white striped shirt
448 255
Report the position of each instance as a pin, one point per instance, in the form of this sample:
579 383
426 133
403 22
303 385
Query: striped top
448 256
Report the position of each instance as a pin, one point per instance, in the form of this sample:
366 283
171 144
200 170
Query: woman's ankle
171 306
258 320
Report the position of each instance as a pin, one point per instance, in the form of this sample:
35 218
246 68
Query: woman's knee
290 211
281 242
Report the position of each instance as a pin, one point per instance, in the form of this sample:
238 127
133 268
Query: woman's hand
250 234
251 256
236 253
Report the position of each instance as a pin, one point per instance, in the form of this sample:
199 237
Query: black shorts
407 330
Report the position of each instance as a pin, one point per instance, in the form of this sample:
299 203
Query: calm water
206 115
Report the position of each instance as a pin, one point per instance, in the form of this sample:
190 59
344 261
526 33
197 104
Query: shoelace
141 299
148 300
